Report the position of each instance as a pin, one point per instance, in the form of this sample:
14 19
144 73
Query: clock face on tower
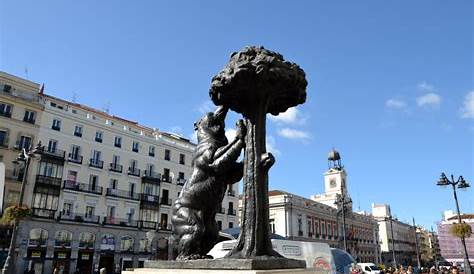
332 183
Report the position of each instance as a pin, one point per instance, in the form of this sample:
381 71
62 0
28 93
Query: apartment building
98 185
428 246
394 235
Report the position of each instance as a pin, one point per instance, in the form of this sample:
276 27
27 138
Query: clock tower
335 181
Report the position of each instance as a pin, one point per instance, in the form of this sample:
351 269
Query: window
29 116
56 125
67 209
130 214
98 136
3 138
93 181
113 183
272 226
167 155
300 227
182 159
231 225
219 225
116 160
151 151
118 141
45 201
24 142
131 188
52 145
7 88
181 176
50 169
90 212
38 237
96 155
110 211
75 152
86 239
78 131
144 246
5 110
135 146
166 174
63 238
126 243
164 220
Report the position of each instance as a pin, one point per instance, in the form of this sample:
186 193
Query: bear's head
211 128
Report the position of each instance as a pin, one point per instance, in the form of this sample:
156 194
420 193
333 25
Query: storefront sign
61 255
35 254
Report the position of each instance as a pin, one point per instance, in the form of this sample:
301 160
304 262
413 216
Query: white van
316 255
369 268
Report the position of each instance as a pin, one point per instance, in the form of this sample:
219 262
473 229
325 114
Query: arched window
107 242
145 246
63 238
126 243
86 240
38 237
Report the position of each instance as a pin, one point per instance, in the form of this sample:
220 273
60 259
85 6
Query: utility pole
416 245
394 258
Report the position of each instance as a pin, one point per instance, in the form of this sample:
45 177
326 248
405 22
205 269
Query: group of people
355 269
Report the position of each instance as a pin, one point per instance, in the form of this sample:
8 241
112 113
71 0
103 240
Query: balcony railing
62 243
96 163
120 222
6 114
74 158
221 210
52 152
122 194
149 198
48 181
166 179
231 193
37 242
73 185
80 218
231 211
134 171
115 167
43 213
29 120
148 224
180 181
165 201
151 176
164 226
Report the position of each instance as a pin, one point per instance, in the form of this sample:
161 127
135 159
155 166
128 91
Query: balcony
151 176
180 181
120 222
221 210
78 134
6 114
57 128
149 201
48 181
133 171
29 120
115 167
99 140
122 194
96 163
231 211
76 186
148 224
62 243
165 201
164 226
52 152
74 158
43 213
166 178
79 218
231 193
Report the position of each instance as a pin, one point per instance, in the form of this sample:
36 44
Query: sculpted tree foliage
257 81
461 230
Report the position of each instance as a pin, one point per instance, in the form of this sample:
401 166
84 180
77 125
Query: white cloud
467 110
206 106
193 137
424 86
395 104
271 145
430 99
230 134
293 133
290 116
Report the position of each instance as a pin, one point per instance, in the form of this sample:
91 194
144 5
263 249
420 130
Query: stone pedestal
221 271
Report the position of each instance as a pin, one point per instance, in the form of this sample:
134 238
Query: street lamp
23 157
461 184
394 258
342 201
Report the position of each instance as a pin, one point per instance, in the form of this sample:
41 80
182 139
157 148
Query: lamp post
23 157
342 201
394 258
460 183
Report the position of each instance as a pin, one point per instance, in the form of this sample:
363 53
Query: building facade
428 245
397 239
320 220
100 188
451 246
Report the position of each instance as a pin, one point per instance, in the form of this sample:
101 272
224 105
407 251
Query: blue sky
390 82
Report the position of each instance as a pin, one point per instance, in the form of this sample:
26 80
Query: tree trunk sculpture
255 82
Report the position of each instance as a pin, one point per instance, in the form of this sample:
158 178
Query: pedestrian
454 270
103 270
56 270
410 270
402 270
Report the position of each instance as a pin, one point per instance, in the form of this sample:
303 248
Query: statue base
229 263
223 271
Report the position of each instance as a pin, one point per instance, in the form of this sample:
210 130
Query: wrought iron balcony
166 178
73 185
120 222
149 198
43 213
148 224
80 218
48 181
52 152
133 171
29 120
151 176
221 210
74 158
122 194
180 181
231 211
96 163
164 226
115 167
7 114
62 243
231 193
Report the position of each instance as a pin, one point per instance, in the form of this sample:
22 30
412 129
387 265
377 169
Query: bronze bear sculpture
215 167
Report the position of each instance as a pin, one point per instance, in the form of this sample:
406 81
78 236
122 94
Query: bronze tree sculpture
257 81
214 169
